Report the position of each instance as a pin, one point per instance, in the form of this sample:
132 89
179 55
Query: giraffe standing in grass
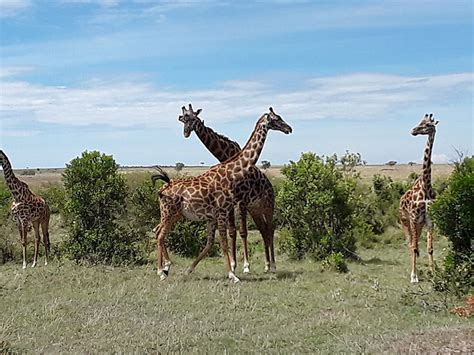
414 203
212 195
259 200
27 209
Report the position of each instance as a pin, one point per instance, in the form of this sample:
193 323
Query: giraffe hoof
234 279
163 275
33 265
24 266
414 278
246 270
189 271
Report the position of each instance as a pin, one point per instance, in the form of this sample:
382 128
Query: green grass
68 308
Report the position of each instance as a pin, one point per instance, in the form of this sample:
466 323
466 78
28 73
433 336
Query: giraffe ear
198 111
436 122
271 109
183 108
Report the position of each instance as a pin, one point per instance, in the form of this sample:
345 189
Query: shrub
95 202
188 238
54 195
336 262
453 215
316 207
9 236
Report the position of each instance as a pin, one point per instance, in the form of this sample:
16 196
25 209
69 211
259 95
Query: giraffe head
426 126
275 122
190 119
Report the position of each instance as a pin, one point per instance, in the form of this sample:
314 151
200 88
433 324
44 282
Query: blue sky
112 75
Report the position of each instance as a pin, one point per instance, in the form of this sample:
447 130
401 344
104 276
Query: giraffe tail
162 175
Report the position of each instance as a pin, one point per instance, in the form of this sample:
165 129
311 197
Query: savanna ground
303 308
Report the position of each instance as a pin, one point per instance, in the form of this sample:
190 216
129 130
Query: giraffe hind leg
243 235
37 242
46 242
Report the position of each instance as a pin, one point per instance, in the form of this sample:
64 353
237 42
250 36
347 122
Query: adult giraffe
414 203
27 208
258 200
212 195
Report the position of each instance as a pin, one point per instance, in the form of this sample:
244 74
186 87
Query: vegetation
69 308
319 298
316 208
96 195
179 166
453 215
266 164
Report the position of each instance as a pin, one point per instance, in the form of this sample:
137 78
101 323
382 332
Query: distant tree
202 163
391 163
411 163
266 164
179 166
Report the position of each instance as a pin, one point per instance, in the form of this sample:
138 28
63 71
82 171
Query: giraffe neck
426 179
249 155
221 147
17 187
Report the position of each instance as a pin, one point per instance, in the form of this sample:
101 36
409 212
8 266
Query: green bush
9 236
55 196
316 206
95 203
453 215
336 262
188 238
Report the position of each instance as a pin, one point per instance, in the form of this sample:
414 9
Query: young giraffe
212 195
259 200
27 208
414 203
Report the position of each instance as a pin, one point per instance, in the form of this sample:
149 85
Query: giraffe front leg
415 230
23 241
429 246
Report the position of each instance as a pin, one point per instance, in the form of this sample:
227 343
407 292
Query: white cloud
363 96
13 7
19 133
440 159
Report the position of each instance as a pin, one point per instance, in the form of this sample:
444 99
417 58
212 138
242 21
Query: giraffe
414 203
212 195
259 200
27 209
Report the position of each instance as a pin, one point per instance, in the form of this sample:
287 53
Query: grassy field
45 177
69 308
